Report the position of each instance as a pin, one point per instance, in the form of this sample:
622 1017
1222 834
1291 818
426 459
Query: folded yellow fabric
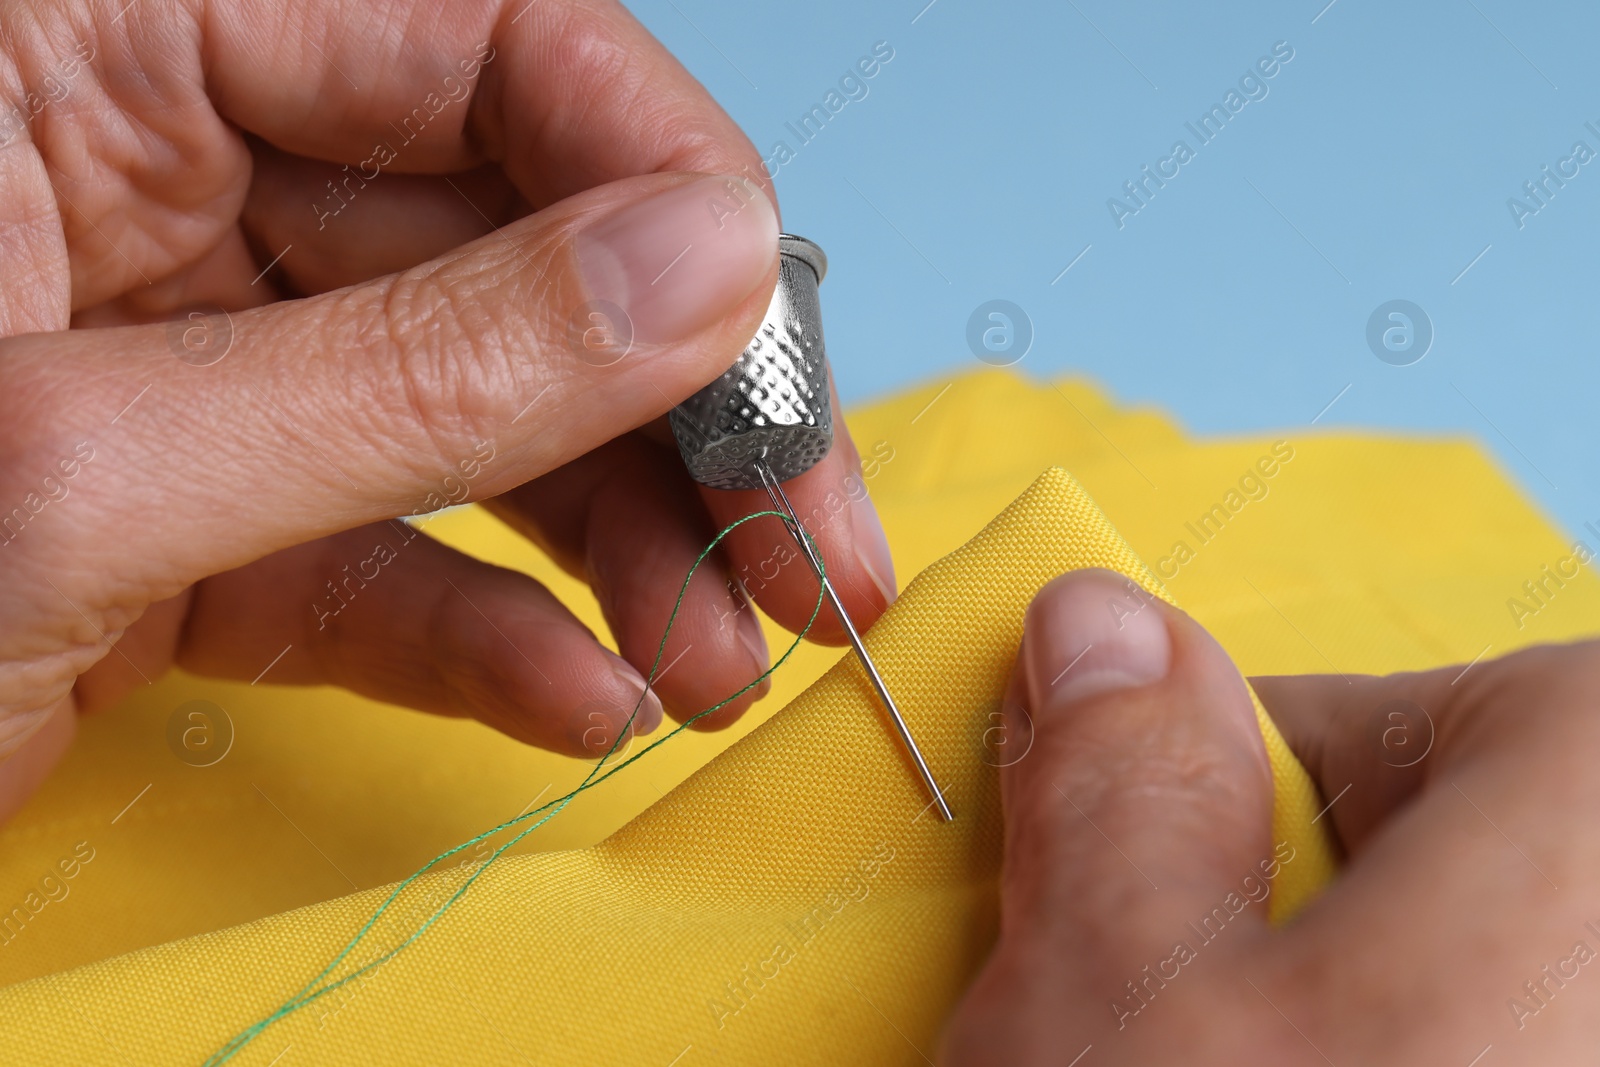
797 878
785 904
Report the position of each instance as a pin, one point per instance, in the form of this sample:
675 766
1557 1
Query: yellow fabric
720 925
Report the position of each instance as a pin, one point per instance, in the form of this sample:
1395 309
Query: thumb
1139 820
220 441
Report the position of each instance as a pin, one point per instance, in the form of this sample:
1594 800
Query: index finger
565 95
1374 744
833 504
568 95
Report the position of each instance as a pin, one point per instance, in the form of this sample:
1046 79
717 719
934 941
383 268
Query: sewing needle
780 502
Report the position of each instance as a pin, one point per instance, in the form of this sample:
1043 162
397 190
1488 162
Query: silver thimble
772 405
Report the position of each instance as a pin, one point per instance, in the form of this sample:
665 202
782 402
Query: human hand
405 332
1465 925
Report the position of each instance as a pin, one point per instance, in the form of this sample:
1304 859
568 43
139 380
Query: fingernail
872 547
755 643
682 259
650 713
1091 632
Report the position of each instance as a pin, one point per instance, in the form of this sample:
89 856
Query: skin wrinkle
456 118
699 625
1465 730
51 259
207 283
434 151
1152 773
451 400
240 478
597 571
475 21
168 478
575 49
188 167
1055 840
1356 996
466 682
323 645
116 615
579 45
27 49
386 26
86 161
16 730
472 685
150 243
412 667
504 658
360 318
26 268
97 154
47 679
392 217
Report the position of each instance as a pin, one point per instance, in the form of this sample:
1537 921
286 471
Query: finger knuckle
684 138
445 371
1544 680
1173 773
50 425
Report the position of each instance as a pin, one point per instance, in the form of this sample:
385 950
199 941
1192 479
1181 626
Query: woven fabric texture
788 903
797 878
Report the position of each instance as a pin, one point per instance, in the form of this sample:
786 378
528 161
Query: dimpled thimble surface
773 403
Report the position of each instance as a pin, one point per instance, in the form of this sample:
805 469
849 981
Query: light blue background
980 162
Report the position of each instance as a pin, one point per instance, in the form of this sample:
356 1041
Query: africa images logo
1252 87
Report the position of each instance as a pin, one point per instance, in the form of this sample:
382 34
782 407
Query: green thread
311 991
